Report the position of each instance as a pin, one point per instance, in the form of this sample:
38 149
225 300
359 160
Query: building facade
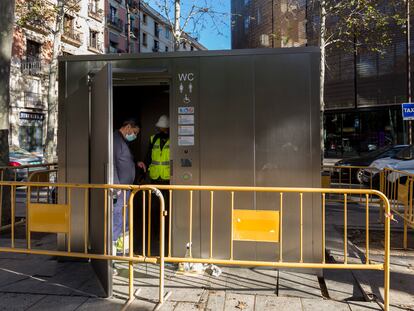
268 23
148 31
363 90
89 27
83 33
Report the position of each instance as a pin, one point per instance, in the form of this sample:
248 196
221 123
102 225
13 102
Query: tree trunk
177 32
6 40
322 74
50 144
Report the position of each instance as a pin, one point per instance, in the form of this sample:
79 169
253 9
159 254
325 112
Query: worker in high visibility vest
158 163
158 156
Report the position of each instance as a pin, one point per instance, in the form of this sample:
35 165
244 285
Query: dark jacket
124 165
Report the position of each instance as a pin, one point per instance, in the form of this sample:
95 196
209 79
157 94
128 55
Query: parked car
402 161
21 157
366 160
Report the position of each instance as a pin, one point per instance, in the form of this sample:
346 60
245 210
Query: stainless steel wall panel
227 144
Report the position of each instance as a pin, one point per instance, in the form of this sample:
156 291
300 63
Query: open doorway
144 103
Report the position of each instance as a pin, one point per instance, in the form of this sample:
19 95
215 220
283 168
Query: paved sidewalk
30 282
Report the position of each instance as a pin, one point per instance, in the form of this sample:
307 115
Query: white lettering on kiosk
183 77
409 110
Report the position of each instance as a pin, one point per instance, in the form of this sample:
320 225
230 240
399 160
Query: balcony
33 66
33 100
115 22
72 36
94 12
95 46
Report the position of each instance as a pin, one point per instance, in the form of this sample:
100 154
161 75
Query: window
144 18
33 50
144 39
192 48
68 23
166 48
93 39
185 45
156 47
246 22
167 33
259 16
156 30
93 6
112 13
113 47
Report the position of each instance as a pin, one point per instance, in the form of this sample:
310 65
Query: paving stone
271 303
100 304
185 295
18 302
341 285
323 305
61 303
363 306
253 281
294 284
216 300
189 306
239 302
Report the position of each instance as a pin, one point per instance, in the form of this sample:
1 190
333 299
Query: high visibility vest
160 160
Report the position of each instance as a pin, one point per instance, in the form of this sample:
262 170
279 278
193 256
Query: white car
402 161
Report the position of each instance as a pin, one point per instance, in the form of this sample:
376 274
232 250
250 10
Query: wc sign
408 111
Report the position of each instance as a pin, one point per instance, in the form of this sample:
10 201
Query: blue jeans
117 220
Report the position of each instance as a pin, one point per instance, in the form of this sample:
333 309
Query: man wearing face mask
124 173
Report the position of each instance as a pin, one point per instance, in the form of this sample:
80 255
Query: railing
115 22
44 216
72 36
398 186
95 45
32 66
267 226
245 225
94 12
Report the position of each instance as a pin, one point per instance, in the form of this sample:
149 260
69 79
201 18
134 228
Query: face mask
130 137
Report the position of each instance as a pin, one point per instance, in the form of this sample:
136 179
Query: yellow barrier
36 173
56 218
245 225
398 186
252 231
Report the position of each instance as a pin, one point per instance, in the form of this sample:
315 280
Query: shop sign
32 116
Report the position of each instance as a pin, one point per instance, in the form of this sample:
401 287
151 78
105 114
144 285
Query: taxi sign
408 111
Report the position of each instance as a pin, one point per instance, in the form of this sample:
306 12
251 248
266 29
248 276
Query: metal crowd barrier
395 184
398 187
275 219
246 225
46 217
46 172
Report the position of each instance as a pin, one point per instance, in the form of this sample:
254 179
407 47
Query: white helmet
163 122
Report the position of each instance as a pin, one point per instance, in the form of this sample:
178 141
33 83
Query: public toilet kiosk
237 118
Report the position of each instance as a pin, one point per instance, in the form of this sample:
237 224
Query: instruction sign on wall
185 119
185 140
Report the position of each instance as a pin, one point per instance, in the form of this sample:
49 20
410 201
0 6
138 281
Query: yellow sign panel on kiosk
258 226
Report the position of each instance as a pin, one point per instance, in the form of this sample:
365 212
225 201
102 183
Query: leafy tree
49 18
353 25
